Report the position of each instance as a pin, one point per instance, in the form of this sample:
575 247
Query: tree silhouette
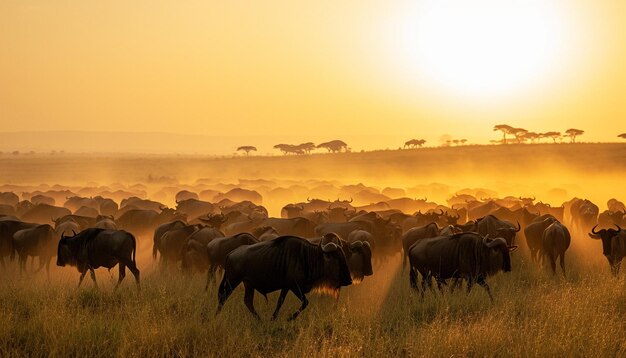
553 135
623 135
505 128
519 134
306 147
247 149
532 136
463 141
456 142
573 133
334 146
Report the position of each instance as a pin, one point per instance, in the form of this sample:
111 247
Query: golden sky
320 68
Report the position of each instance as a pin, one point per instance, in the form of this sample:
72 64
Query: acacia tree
463 141
623 135
532 136
247 149
553 135
519 134
573 133
505 128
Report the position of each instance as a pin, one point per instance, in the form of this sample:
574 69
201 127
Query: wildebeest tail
134 247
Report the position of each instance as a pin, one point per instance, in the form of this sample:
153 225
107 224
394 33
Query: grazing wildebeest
287 263
613 245
469 256
93 248
219 248
39 241
556 240
161 230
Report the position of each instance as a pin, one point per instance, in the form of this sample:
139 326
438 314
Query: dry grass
534 315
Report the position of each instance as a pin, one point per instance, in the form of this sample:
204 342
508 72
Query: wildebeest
613 245
93 248
469 256
556 240
287 263
494 227
219 248
534 236
9 227
39 241
414 235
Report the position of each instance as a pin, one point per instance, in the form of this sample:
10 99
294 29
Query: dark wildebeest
494 227
613 245
8 227
556 240
534 236
358 253
288 263
93 248
584 214
172 243
39 241
414 235
219 248
469 256
161 230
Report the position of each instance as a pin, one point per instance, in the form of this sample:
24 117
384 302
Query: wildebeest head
606 235
65 256
498 256
336 271
508 233
360 261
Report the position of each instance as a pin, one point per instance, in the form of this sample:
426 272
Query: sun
484 48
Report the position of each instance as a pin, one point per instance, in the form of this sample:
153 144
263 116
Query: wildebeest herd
315 244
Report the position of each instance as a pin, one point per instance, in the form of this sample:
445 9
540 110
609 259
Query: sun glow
484 48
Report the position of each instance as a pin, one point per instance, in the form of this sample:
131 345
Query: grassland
534 314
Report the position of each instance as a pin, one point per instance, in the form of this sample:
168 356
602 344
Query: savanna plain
534 313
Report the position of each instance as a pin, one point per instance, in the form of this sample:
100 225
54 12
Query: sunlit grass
534 314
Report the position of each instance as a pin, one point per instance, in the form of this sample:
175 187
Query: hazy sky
324 68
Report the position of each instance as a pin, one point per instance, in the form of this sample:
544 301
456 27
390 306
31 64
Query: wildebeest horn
307 199
330 247
494 242
329 207
74 232
356 244
519 227
367 243
534 198
619 229
441 211
593 230
351 200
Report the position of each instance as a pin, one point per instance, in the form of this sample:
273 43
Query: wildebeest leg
48 267
42 263
225 290
302 298
279 303
553 263
210 278
562 262
481 281
82 276
470 283
133 268
413 278
93 277
248 299
121 275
